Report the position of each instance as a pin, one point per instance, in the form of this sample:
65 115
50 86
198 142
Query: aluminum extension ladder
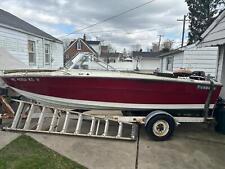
37 118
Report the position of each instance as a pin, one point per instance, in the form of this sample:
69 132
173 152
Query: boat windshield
89 62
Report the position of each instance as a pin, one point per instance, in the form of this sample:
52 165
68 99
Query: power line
127 32
112 17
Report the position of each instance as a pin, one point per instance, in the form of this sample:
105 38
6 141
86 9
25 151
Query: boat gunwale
164 79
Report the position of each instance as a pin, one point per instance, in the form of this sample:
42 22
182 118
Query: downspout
43 52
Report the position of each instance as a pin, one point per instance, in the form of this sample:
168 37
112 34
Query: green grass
26 153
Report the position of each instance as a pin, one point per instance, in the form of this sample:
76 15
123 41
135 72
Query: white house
215 36
96 45
147 61
191 57
28 44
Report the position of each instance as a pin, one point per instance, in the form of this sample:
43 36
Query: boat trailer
37 118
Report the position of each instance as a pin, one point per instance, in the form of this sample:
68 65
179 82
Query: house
82 45
9 62
111 57
215 36
146 61
191 57
28 44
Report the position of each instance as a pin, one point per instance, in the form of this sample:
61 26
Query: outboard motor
198 75
219 114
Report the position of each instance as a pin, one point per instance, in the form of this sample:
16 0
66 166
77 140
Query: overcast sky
140 26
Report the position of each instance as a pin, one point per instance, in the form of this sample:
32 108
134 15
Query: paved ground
6 138
194 146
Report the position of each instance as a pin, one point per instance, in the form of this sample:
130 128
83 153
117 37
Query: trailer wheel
160 127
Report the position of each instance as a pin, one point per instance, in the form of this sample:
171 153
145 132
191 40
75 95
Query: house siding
196 59
16 43
149 64
177 62
201 59
72 51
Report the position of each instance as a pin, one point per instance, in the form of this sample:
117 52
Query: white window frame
32 52
169 66
78 45
47 54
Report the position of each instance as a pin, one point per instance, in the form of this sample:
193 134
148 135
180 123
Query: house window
47 54
32 52
79 45
169 65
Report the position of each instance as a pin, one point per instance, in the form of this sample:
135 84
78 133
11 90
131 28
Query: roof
115 55
147 54
90 42
84 42
172 52
13 22
215 33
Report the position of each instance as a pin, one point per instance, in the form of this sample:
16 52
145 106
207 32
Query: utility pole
160 38
184 23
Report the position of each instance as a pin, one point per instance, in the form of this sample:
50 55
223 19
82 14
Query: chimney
84 37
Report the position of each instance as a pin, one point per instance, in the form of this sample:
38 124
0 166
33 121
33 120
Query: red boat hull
115 90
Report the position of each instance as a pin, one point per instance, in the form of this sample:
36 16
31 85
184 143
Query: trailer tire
160 127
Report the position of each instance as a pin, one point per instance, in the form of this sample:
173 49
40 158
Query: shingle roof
90 42
172 52
147 54
111 55
9 20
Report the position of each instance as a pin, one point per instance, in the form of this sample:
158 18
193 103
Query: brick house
81 45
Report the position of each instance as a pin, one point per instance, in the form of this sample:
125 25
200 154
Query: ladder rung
79 123
97 128
66 122
120 130
18 115
106 127
54 120
93 121
41 119
29 116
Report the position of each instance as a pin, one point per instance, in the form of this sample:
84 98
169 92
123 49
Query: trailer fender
158 112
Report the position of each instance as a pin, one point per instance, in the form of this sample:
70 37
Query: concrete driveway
194 146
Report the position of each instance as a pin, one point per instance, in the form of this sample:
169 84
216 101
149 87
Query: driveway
194 146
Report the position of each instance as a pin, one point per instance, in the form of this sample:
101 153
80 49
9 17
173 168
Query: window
78 45
169 65
32 52
47 54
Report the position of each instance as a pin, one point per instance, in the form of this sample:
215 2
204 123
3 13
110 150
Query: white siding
149 64
16 43
196 59
57 55
177 61
201 59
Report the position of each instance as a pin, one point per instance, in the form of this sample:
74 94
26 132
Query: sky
138 27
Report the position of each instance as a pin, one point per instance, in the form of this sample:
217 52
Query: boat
100 89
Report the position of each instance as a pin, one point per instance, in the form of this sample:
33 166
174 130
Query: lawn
26 153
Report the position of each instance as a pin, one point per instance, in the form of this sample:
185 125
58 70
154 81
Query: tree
167 45
155 47
201 14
